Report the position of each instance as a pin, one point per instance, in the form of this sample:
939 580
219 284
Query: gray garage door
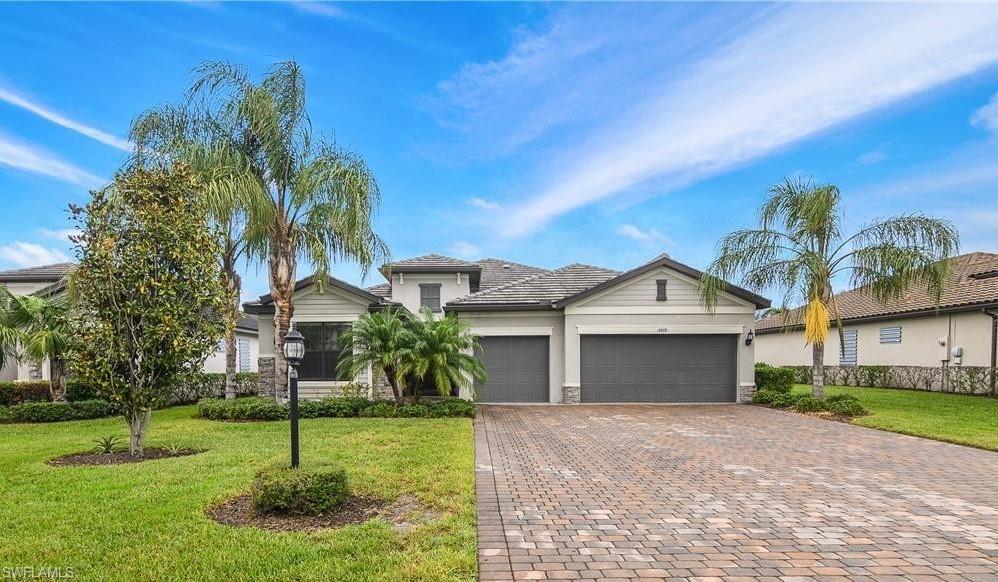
517 368
658 368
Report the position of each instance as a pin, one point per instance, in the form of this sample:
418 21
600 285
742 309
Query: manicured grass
146 521
955 418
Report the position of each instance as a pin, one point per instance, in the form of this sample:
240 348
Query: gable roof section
384 290
663 261
499 272
41 274
970 286
431 263
266 302
540 291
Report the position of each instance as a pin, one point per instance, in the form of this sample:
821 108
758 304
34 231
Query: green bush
344 406
453 407
773 379
809 404
58 411
77 390
764 397
845 405
301 491
413 411
241 409
381 409
12 393
800 374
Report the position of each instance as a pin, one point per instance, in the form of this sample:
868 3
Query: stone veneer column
268 378
35 371
746 390
571 394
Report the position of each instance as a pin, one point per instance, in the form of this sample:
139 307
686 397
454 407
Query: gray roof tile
383 290
540 289
499 272
40 273
431 261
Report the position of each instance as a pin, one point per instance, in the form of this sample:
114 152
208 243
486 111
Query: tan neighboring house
910 331
575 334
48 279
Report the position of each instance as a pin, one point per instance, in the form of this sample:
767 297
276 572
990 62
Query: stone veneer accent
571 394
34 371
268 376
746 390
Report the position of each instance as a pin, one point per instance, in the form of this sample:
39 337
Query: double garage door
615 368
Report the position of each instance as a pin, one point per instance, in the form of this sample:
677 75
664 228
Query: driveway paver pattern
725 493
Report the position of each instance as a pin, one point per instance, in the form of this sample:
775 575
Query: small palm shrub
106 444
301 491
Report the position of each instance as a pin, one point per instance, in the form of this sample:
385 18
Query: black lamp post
294 353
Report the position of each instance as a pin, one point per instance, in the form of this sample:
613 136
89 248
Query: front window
429 296
322 351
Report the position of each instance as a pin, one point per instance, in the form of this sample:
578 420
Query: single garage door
659 368
517 367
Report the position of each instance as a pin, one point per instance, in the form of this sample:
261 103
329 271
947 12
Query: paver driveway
725 492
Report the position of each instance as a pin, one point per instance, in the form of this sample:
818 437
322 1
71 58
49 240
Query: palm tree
35 327
800 249
441 355
212 146
383 340
305 199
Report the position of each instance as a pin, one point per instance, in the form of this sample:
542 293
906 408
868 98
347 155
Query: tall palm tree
306 199
35 327
211 145
442 355
799 248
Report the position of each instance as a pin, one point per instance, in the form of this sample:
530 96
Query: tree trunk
138 424
57 371
232 285
818 370
282 289
390 376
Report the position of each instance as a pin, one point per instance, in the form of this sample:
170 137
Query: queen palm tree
35 327
799 248
212 146
305 198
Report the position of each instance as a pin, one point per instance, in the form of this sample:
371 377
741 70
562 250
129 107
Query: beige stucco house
910 331
49 279
574 334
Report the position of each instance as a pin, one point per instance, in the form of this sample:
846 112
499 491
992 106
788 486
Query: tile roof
541 289
41 273
247 322
431 261
499 272
383 290
969 284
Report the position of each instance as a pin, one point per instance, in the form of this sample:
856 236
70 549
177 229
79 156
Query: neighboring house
574 334
50 279
909 331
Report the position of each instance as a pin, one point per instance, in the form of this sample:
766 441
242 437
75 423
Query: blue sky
545 134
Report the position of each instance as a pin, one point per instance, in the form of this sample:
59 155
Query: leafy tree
799 248
36 327
210 145
412 352
149 300
305 198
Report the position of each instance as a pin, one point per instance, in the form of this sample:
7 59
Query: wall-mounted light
749 337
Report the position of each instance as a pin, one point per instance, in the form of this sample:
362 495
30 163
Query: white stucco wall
519 323
405 287
919 342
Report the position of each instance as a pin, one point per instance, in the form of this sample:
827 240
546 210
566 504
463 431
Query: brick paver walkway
725 492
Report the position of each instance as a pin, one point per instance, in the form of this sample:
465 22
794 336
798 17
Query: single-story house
910 331
578 333
48 279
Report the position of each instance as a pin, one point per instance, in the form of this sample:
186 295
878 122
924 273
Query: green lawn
146 522
955 418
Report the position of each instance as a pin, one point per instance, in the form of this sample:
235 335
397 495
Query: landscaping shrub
77 390
844 405
773 379
809 404
345 406
764 397
380 409
12 393
241 409
453 407
302 491
58 411
413 411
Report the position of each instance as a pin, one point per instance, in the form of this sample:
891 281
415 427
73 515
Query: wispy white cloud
57 118
987 116
484 204
465 249
26 254
62 234
33 159
651 236
691 109
320 9
873 156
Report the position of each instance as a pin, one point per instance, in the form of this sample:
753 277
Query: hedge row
56 411
839 404
253 409
772 378
12 393
205 385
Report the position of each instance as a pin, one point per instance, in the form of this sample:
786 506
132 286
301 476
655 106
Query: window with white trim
429 296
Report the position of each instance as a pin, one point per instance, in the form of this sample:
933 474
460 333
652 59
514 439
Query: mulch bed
239 512
120 457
